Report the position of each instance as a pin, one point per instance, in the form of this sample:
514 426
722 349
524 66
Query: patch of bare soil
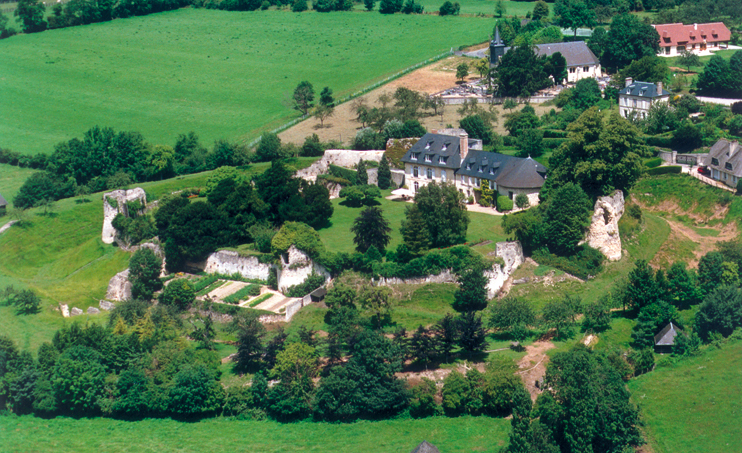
704 244
533 366
430 79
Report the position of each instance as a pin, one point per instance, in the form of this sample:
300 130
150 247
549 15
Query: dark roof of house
643 89
3 202
507 171
442 150
426 447
576 53
674 34
726 152
666 337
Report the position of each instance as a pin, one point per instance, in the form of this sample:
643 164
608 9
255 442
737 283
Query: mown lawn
450 435
11 179
693 405
221 74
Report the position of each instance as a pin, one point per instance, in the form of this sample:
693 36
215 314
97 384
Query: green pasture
693 405
221 74
487 7
450 435
11 179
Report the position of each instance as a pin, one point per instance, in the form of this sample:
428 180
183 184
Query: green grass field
693 405
221 74
11 179
450 435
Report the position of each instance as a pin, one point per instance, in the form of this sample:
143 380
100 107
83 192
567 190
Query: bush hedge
587 262
665 170
344 173
652 163
504 203
550 133
662 142
457 258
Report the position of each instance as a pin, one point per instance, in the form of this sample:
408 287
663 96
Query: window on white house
443 175
415 172
714 161
463 181
728 166
430 173
468 166
417 186
493 185
471 181
586 69
481 169
477 182
572 70
415 156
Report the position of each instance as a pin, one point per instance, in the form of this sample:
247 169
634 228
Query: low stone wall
229 262
510 252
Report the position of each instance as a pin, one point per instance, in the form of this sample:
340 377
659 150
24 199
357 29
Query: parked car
704 171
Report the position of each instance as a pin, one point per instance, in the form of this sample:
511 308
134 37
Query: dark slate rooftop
643 89
666 337
506 171
435 150
3 202
728 154
576 53
426 447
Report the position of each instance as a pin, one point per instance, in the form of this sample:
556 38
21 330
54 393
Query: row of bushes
311 283
665 170
652 163
585 264
456 258
344 173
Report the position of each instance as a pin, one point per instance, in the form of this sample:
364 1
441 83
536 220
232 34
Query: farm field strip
213 72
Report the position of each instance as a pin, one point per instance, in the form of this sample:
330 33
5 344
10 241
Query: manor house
451 157
699 39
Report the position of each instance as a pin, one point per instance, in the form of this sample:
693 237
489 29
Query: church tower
497 48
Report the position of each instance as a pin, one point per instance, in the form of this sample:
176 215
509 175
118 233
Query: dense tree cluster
628 40
721 77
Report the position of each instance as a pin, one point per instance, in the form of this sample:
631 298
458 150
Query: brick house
581 61
699 39
639 96
453 158
725 162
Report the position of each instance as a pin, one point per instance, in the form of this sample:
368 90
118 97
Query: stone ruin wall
228 262
510 252
108 235
295 267
603 233
340 157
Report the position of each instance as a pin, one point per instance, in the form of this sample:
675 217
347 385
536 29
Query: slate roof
675 34
506 171
576 53
643 89
726 152
3 202
666 337
426 447
443 151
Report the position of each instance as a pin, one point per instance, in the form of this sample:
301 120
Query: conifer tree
362 176
415 232
384 178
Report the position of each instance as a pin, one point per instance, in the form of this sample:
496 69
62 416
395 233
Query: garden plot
225 290
275 303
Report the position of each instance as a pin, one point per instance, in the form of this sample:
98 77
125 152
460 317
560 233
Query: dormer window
428 158
415 156
442 160
428 145
492 171
445 146
468 166
728 166
481 169
714 161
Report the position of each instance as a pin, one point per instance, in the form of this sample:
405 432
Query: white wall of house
696 48
640 104
418 175
575 73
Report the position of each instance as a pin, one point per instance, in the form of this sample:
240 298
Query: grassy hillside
693 406
220 74
451 435
11 179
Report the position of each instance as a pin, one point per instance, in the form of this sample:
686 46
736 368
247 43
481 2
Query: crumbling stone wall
603 232
229 262
340 157
121 197
295 267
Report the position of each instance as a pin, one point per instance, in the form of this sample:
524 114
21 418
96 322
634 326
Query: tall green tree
144 273
415 231
574 14
540 10
370 228
384 175
514 315
361 173
567 219
710 271
389 6
472 292
31 14
303 97
716 78
443 208
688 59
325 97
720 313
628 40
471 338
520 72
269 148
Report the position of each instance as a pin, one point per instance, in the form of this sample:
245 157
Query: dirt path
704 244
533 366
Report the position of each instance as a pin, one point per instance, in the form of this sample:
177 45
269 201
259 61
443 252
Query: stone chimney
629 81
463 145
695 26
659 88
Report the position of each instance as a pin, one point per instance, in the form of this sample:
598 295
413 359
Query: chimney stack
629 81
659 88
695 26
463 145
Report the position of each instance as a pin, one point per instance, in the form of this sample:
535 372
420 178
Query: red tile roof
674 34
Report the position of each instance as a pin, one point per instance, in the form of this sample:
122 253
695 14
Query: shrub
504 204
521 200
312 282
449 9
344 173
179 293
665 170
652 163
585 263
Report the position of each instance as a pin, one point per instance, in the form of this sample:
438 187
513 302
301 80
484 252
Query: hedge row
652 163
551 133
661 142
457 258
665 170
344 173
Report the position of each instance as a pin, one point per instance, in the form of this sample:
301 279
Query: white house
725 162
449 158
700 39
581 61
639 96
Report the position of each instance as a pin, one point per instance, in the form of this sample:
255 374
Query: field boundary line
360 92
